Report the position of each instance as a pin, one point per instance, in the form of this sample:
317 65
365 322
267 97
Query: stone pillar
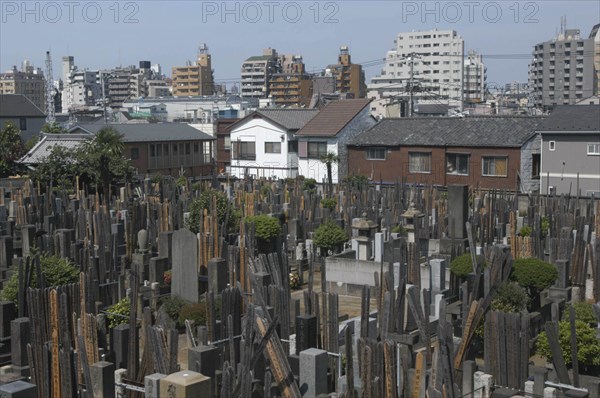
19 330
18 389
185 384
313 372
540 375
119 376
217 275
437 274
468 370
152 385
551 392
103 379
120 344
27 239
204 359
529 385
306 332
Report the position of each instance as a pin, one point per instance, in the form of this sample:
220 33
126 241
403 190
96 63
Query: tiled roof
290 119
333 118
484 131
18 105
574 118
43 148
150 132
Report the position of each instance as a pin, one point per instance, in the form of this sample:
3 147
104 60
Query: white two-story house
263 143
329 132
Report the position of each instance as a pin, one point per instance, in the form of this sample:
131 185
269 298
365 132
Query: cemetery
286 288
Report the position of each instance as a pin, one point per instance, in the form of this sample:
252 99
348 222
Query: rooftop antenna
49 90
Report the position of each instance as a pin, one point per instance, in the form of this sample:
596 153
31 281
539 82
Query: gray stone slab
20 338
217 275
152 385
103 379
18 389
313 372
204 359
184 282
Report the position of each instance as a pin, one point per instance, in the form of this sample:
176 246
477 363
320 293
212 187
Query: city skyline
115 38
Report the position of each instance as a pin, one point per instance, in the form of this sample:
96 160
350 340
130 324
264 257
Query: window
188 148
494 166
152 150
317 150
593 149
376 153
196 148
419 162
535 166
272 147
244 150
135 153
552 145
22 124
457 163
293 146
227 143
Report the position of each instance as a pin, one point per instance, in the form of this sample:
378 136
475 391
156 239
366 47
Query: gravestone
458 201
184 282
152 385
165 245
313 372
18 389
186 384
19 338
217 275
6 251
120 344
157 268
562 266
103 379
204 359
306 332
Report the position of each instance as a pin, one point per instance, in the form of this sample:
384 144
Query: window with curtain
272 147
419 162
316 150
495 166
457 164
244 150
376 153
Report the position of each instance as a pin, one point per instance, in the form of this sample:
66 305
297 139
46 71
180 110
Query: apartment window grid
317 150
376 154
494 166
593 149
419 162
272 147
457 164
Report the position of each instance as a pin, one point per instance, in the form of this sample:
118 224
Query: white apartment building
475 75
81 87
429 62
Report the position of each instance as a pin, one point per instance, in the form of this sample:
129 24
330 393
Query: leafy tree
11 150
59 168
356 181
56 271
265 227
534 275
329 236
588 345
510 297
329 159
309 184
204 202
104 158
53 128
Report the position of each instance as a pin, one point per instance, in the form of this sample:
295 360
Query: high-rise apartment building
28 81
195 79
257 71
349 77
292 88
595 35
425 66
562 70
475 75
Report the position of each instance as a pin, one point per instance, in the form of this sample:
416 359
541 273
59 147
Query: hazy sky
104 34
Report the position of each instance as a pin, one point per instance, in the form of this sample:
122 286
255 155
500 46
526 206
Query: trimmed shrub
329 236
265 227
533 274
329 203
510 297
172 306
462 266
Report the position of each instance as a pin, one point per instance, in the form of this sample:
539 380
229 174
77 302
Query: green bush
118 313
525 231
533 274
510 297
585 313
309 184
204 201
172 306
545 226
588 346
194 312
329 203
462 266
357 181
57 271
181 181
399 229
265 227
329 236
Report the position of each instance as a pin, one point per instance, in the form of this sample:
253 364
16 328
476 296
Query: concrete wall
561 166
528 182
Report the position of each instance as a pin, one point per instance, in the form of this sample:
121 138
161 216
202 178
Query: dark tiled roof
485 131
290 119
258 58
333 118
575 118
18 105
150 132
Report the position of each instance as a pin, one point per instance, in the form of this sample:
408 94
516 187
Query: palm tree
328 160
106 146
